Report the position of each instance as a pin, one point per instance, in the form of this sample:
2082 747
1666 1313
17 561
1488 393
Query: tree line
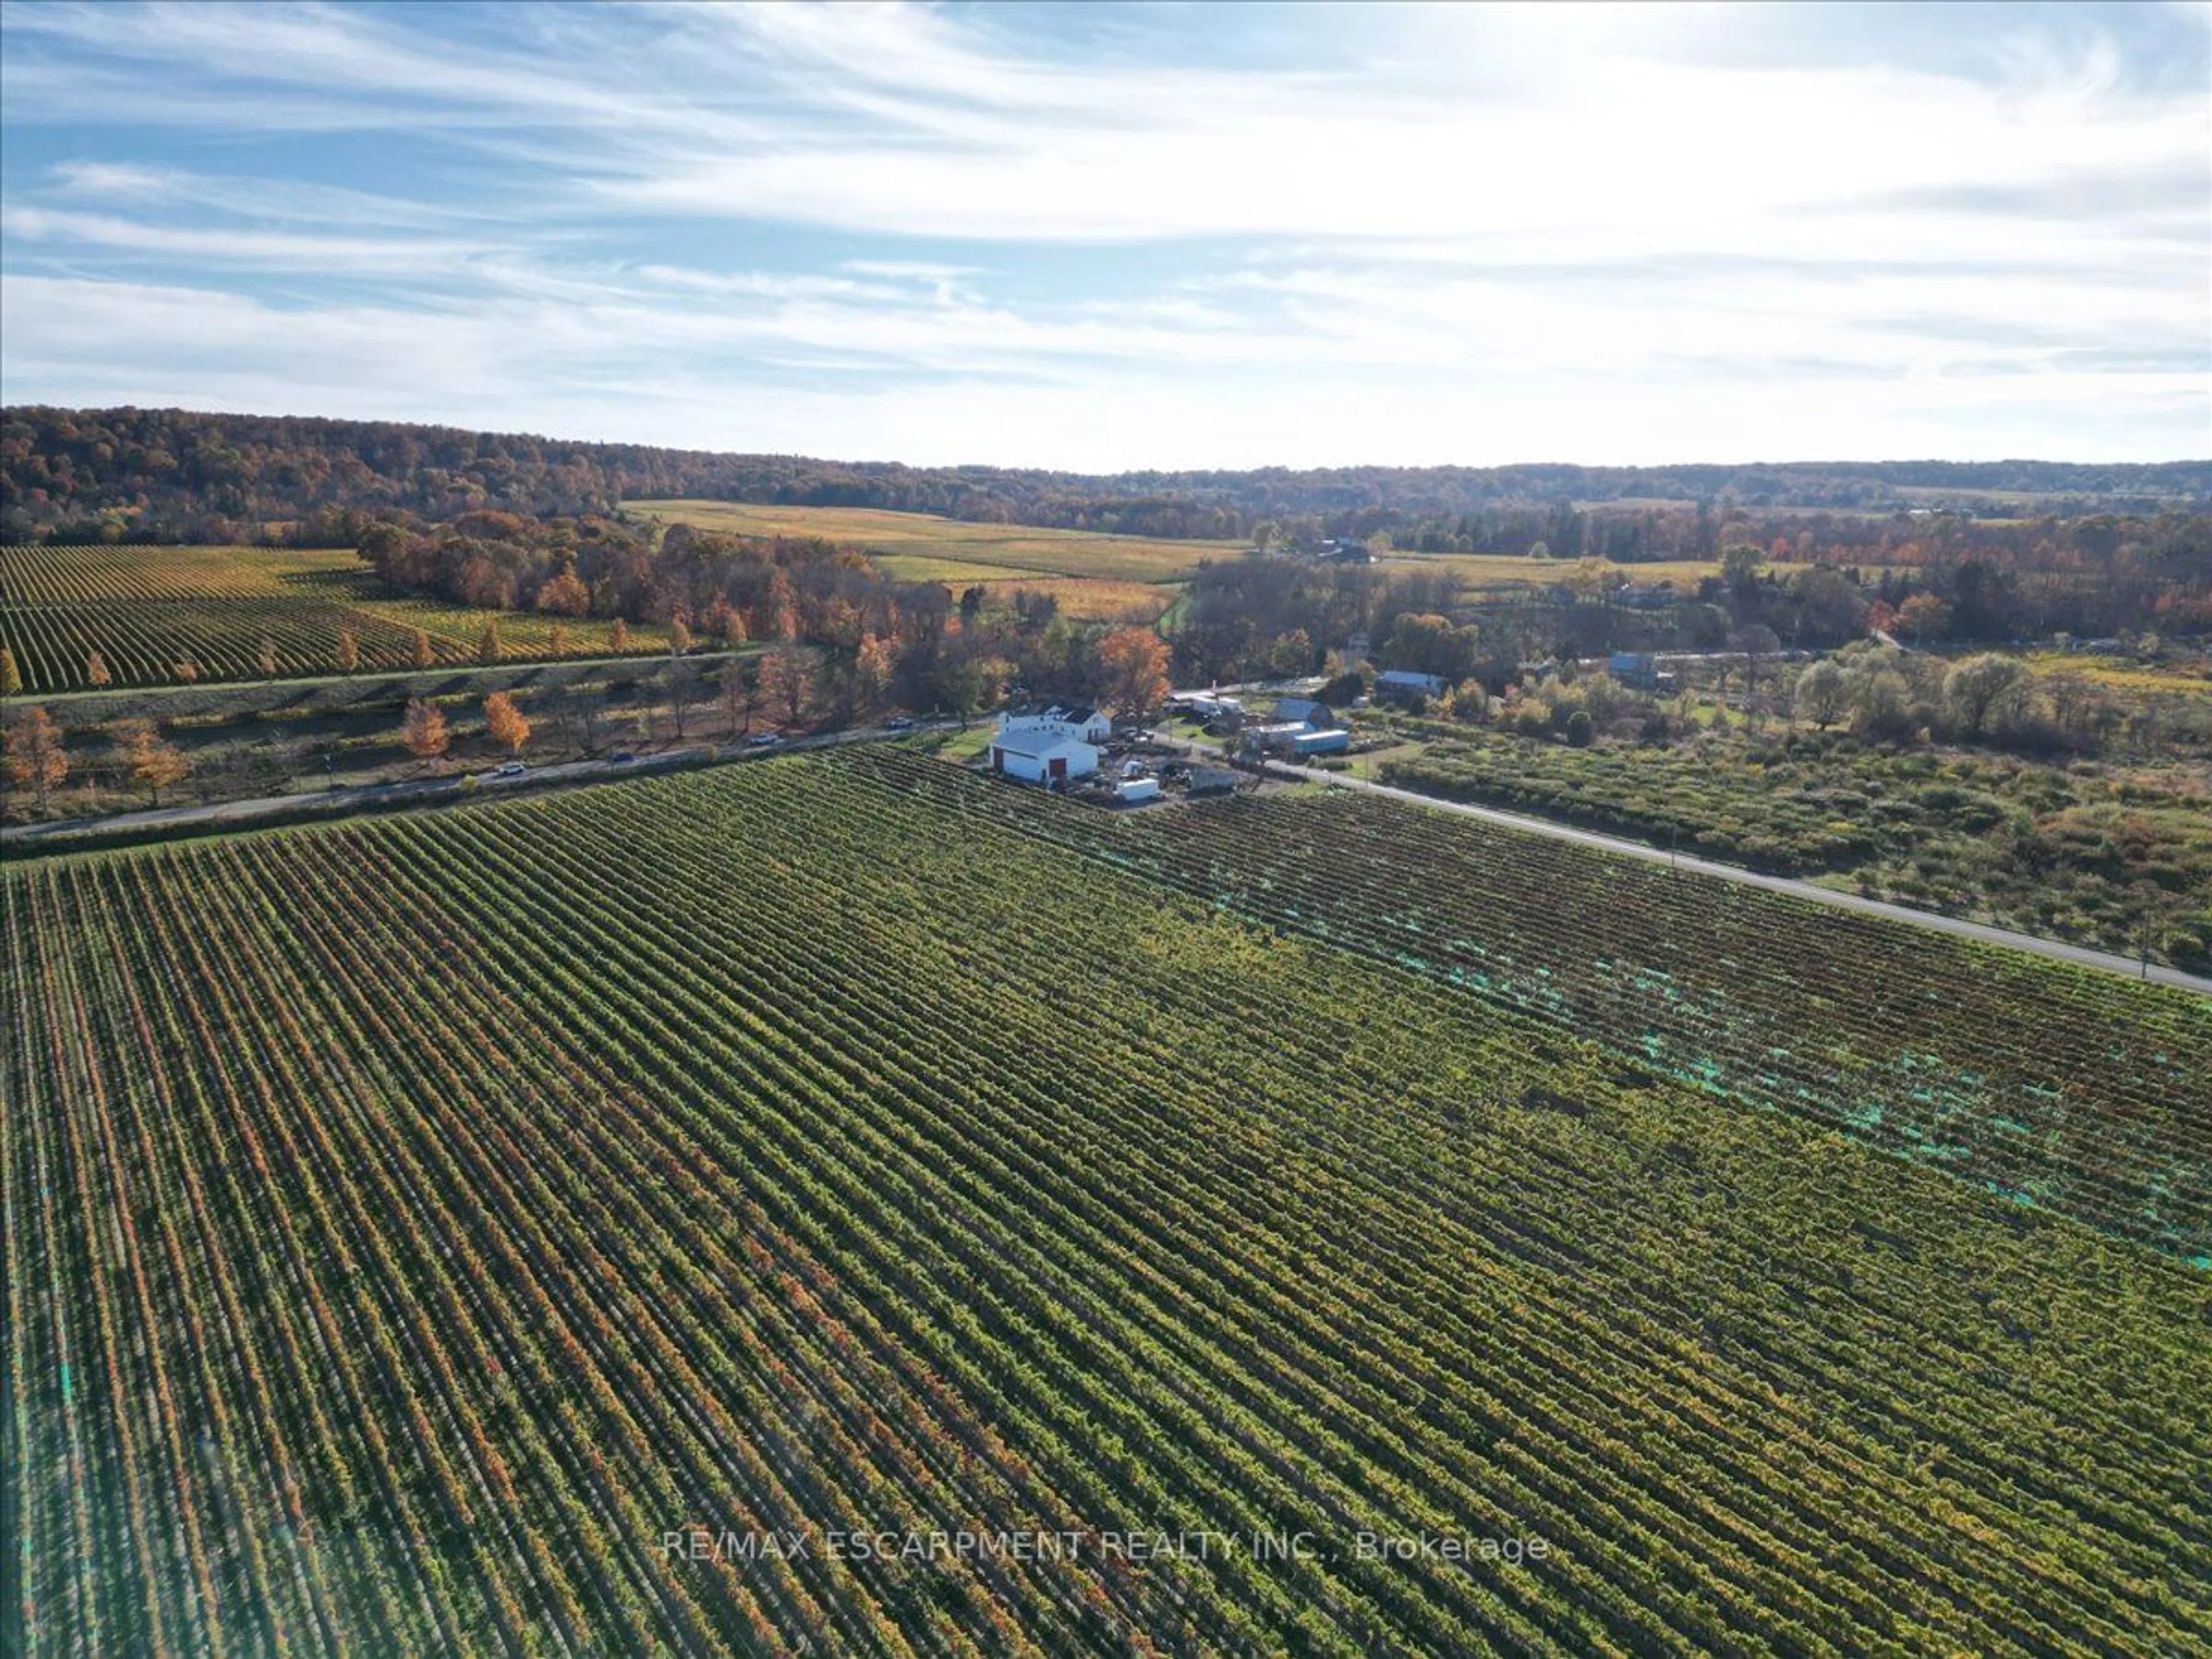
86 475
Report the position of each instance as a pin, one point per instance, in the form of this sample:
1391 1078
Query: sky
1105 238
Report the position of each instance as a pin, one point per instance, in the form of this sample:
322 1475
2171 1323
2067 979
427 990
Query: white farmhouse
1076 720
1049 747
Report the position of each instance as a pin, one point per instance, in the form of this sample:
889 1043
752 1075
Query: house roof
1035 746
1408 676
1298 708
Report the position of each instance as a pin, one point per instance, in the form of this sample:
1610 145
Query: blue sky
1114 237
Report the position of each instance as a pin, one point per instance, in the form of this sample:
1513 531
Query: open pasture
1021 548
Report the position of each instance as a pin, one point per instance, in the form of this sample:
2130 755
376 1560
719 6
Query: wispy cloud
1134 236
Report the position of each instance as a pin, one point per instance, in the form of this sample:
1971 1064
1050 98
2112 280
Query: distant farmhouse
1403 685
1050 746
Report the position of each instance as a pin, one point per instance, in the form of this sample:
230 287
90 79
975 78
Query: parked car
901 723
620 757
512 770
763 740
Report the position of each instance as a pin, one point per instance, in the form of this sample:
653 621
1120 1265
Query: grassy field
2066 851
914 542
1509 570
467 1231
146 611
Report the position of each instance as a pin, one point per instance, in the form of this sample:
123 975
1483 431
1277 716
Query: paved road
337 802
2081 956
243 814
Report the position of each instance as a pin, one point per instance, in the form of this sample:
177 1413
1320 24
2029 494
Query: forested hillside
93 475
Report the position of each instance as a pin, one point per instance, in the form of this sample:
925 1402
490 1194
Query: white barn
1038 757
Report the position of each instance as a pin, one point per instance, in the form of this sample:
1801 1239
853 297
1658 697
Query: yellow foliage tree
153 763
424 731
36 759
506 724
1134 661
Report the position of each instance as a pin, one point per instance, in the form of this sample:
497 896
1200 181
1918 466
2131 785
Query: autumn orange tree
424 731
1134 662
506 724
36 758
153 762
487 646
11 678
565 595
618 636
95 671
423 657
348 652
267 657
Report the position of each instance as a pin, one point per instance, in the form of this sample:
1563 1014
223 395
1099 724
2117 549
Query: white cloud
1634 232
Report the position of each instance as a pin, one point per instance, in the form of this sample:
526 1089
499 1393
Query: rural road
2081 956
242 814
324 803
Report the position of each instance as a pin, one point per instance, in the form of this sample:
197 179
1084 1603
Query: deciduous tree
787 682
1923 617
872 666
1823 693
565 595
423 657
154 763
424 731
348 651
1983 686
488 646
1134 665
267 659
506 724
36 758
11 678
739 694
95 671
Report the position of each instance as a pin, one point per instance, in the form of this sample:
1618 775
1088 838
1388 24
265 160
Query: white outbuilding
1042 757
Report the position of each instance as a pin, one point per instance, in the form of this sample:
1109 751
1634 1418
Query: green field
919 546
145 611
411 1226
1480 570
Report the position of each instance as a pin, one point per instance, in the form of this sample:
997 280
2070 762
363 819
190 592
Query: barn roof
1035 746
